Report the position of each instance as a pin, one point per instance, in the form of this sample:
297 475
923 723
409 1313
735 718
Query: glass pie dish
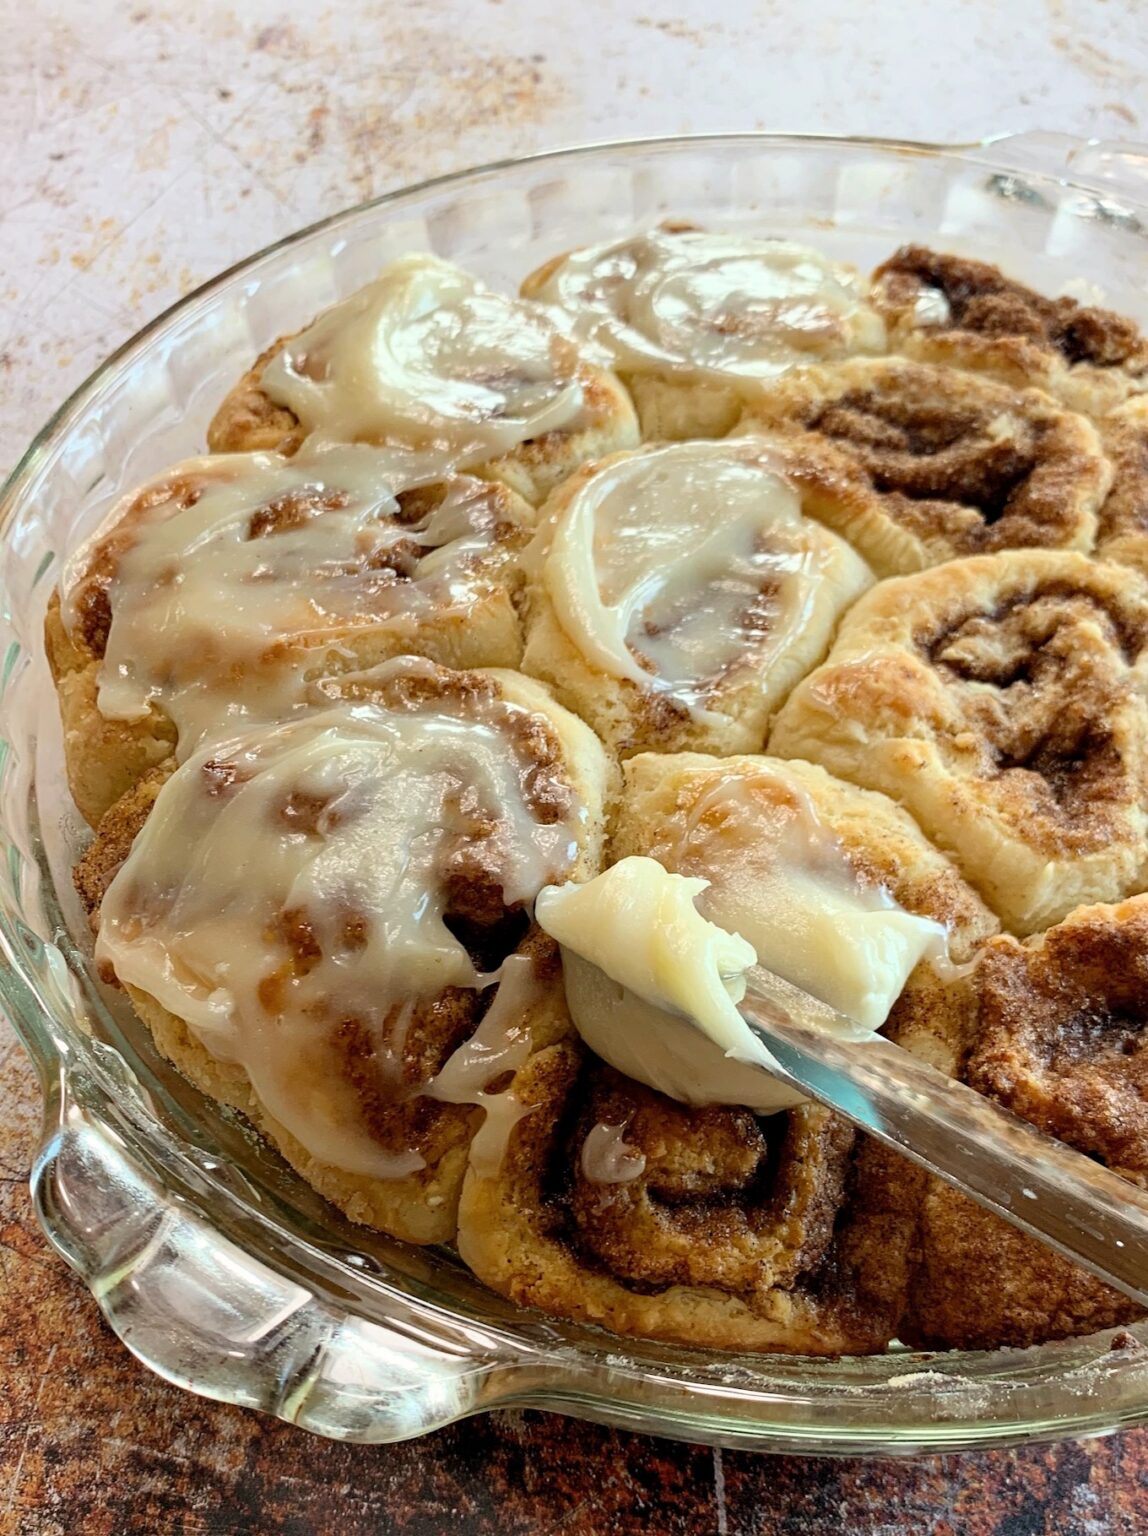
216 1265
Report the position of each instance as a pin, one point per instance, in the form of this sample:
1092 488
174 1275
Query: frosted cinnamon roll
222 588
708 1223
916 465
1122 534
676 594
695 323
1054 1029
326 923
429 359
1002 700
944 308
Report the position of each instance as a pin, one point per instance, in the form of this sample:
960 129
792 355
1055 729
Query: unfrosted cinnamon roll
1002 700
1054 1029
944 308
696 323
677 594
916 465
1122 534
429 359
223 587
326 922
712 1225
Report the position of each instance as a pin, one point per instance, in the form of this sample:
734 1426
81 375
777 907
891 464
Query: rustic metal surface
147 147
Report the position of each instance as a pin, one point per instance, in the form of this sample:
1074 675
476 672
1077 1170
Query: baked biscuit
915 465
695 324
676 594
943 308
311 917
1122 534
712 1226
223 588
1053 1029
429 360
1002 701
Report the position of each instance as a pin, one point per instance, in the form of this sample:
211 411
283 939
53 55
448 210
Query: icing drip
667 564
427 355
607 1159
234 573
723 307
290 897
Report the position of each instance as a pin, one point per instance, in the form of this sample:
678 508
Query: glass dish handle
1113 167
197 1309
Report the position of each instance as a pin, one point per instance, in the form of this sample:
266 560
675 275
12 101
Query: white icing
607 1159
653 984
343 827
428 356
669 563
731 308
215 622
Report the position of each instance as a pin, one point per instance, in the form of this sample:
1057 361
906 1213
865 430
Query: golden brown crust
1122 534
977 318
916 465
248 420
1054 1030
1002 700
655 1256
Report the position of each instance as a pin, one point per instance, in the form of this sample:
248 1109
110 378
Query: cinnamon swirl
677 594
1002 700
326 922
1054 1029
950 309
916 465
221 589
713 1225
1123 531
695 323
429 359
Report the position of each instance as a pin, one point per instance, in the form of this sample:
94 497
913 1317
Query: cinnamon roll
695 323
944 308
221 589
1123 530
710 1224
1001 699
916 465
326 923
676 594
1054 1029
429 359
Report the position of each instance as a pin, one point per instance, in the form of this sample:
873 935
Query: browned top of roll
917 464
983 300
1062 1038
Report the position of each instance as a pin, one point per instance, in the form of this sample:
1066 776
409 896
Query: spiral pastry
916 465
325 922
695 323
428 359
1122 534
1054 1029
220 590
949 309
676 594
1002 700
712 1225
